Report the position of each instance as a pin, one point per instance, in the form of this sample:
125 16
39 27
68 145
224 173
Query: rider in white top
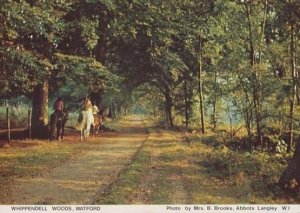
95 109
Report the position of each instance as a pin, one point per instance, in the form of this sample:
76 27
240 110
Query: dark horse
58 121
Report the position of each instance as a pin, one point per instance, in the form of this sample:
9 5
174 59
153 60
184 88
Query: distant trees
158 45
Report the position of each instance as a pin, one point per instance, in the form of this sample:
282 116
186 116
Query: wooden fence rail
8 125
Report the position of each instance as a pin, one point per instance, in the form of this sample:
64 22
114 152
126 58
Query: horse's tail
52 125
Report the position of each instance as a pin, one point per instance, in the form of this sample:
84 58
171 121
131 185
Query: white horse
85 120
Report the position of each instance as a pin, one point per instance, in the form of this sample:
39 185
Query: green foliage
18 116
21 71
76 76
89 32
81 47
84 69
29 35
229 164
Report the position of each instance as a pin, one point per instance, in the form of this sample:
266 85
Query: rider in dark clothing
59 107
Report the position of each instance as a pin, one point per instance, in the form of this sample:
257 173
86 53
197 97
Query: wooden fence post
8 124
29 124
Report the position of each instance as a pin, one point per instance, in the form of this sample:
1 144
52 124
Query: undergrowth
259 170
18 116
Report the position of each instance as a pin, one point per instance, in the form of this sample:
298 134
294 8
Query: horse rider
95 109
86 116
59 107
86 105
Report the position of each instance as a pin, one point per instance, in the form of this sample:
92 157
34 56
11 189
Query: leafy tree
32 29
36 53
289 18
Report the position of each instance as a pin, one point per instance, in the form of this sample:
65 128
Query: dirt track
77 182
135 165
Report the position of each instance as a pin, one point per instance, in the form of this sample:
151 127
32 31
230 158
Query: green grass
32 163
33 160
252 177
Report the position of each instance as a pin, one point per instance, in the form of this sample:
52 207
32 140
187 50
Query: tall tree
290 13
34 27
256 14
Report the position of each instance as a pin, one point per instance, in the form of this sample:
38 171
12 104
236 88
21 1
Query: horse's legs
58 129
97 129
62 130
87 131
85 134
51 132
81 134
92 130
57 134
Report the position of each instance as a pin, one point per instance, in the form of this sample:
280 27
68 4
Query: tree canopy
205 59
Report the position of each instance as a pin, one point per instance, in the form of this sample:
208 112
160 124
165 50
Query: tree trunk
292 172
293 92
119 110
96 98
169 105
214 115
290 179
154 112
257 109
186 104
112 111
247 112
40 111
255 78
101 49
200 87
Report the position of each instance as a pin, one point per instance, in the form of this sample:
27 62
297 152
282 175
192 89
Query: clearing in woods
138 164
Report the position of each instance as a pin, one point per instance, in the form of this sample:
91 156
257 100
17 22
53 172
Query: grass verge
250 177
120 191
32 158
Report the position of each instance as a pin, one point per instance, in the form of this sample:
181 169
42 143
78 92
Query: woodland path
138 164
77 182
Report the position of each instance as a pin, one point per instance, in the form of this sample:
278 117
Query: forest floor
137 164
